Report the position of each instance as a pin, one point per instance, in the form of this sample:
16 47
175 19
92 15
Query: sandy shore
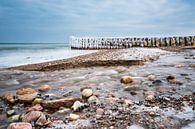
117 57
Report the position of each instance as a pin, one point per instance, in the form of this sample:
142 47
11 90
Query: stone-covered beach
128 88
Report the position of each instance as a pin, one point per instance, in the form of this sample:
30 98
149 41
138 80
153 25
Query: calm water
13 54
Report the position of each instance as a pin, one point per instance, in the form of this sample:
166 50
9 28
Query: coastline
116 57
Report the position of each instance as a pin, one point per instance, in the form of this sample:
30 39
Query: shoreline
116 57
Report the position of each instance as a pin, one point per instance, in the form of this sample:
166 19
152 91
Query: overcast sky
56 20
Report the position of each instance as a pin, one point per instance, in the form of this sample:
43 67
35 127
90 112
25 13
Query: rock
150 98
77 106
26 94
37 107
157 82
9 97
35 116
93 99
151 77
24 91
65 102
10 112
126 79
152 114
132 88
20 125
74 116
100 111
13 118
179 65
170 77
86 93
113 94
44 88
27 97
68 93
37 101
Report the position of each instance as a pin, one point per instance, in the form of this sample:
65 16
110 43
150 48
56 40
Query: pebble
24 91
13 118
100 111
150 98
45 88
10 112
86 93
37 107
152 114
170 77
93 99
77 106
151 77
74 116
9 97
126 79
20 125
157 82
128 102
37 101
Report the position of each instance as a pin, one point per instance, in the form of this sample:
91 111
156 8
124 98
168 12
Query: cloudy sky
56 20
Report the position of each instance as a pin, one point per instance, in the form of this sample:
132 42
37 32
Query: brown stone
27 97
37 107
35 116
20 125
147 93
100 111
86 93
9 97
74 116
126 79
170 77
44 88
24 91
151 77
65 102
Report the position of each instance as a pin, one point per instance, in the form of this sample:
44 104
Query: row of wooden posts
126 42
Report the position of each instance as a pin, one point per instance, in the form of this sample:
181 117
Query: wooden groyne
127 42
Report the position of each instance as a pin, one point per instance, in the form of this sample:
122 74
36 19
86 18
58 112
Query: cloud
100 17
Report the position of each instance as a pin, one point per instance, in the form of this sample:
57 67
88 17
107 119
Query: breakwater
128 42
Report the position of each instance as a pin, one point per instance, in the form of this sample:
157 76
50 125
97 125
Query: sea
15 54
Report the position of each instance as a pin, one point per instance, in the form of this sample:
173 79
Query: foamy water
20 54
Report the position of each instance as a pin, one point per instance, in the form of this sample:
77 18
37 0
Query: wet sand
170 105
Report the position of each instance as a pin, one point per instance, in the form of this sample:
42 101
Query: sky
56 20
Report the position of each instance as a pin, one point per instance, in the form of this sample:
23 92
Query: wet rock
27 97
10 112
9 97
24 91
20 125
37 101
86 93
77 106
65 102
150 98
131 88
152 114
94 100
37 107
100 111
179 65
170 78
151 77
45 88
74 116
126 79
68 93
13 118
157 82
35 116
26 94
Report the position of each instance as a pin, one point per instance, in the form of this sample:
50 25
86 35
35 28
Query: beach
126 88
